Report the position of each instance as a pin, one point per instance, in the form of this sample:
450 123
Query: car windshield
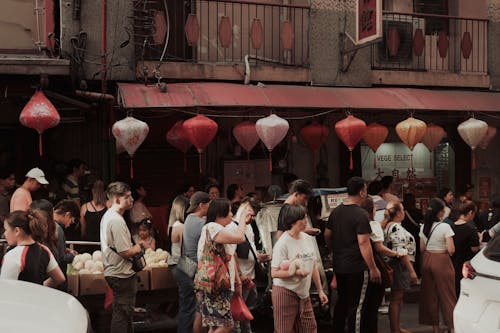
492 250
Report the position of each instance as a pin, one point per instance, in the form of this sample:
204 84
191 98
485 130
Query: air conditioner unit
405 25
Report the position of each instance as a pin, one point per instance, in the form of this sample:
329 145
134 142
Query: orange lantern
200 131
350 130
374 136
411 131
40 115
246 135
472 132
432 137
490 134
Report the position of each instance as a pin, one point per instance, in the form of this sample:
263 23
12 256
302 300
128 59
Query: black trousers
124 291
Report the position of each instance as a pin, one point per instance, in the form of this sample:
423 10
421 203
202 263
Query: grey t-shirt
191 234
114 233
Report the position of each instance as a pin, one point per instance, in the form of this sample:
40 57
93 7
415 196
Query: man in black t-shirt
347 234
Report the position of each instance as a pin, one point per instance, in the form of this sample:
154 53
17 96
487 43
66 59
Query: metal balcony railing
437 43
222 31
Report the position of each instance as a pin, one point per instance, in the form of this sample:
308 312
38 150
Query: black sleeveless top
93 220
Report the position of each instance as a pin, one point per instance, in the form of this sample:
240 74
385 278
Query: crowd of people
378 242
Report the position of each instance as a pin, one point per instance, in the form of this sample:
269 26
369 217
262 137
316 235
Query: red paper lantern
314 135
271 130
432 137
200 131
490 134
178 138
40 115
350 130
246 135
130 133
374 136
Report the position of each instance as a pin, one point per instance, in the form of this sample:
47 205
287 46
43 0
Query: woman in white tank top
176 222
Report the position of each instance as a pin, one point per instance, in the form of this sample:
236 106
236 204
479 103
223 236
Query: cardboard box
143 282
92 284
73 284
162 278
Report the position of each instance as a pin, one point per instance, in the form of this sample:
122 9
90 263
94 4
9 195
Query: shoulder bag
185 264
138 260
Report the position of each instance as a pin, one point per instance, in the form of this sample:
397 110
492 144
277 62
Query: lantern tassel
131 167
40 143
430 161
411 159
351 164
199 162
375 161
270 161
473 160
185 164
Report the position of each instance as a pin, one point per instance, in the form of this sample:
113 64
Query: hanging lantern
246 135
314 135
178 138
472 132
40 115
271 130
200 131
432 137
411 131
490 134
374 136
130 133
350 130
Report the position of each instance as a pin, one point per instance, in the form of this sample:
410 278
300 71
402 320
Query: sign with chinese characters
368 20
335 199
394 159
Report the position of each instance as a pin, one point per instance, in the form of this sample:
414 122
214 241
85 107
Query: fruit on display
156 258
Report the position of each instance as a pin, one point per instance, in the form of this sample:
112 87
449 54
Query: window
437 7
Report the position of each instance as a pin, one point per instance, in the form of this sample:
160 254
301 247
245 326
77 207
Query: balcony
436 49
194 36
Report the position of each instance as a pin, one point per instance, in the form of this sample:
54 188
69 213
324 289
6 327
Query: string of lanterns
130 133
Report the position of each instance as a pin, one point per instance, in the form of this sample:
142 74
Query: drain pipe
247 70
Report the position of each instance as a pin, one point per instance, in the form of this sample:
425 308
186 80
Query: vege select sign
396 158
368 20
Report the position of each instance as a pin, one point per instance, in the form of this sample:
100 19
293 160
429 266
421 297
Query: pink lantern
374 136
130 133
432 137
350 130
271 130
490 134
40 115
178 138
246 135
472 132
200 131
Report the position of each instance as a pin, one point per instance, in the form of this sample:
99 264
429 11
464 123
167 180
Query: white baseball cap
38 175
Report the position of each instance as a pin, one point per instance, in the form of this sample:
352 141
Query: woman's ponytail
38 226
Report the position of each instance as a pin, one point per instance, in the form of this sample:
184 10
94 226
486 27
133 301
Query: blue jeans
187 302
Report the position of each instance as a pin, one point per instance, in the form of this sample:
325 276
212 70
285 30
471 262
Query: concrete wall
494 45
327 20
121 63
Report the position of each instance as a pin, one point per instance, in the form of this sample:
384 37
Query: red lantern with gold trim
490 134
411 131
350 131
432 137
314 136
200 130
40 115
374 136
246 135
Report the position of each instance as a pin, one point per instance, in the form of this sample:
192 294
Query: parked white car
478 307
27 307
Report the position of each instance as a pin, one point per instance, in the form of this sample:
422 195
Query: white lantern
472 132
271 130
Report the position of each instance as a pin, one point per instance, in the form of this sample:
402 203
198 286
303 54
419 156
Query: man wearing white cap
21 199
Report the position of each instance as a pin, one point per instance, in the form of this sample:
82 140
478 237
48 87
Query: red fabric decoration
192 29
314 135
246 135
374 136
271 130
130 133
200 130
40 115
350 130
432 137
178 138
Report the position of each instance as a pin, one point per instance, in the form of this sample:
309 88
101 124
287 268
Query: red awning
212 94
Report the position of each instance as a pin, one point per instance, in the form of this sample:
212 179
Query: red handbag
239 309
